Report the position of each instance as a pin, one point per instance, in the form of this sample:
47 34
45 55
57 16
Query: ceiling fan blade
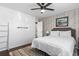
39 4
35 9
49 9
48 4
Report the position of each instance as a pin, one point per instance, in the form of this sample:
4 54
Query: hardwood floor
27 51
4 53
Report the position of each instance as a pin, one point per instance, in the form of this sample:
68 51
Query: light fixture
43 10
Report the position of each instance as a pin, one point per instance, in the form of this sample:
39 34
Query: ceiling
25 7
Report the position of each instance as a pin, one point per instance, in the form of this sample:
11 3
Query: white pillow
65 33
54 33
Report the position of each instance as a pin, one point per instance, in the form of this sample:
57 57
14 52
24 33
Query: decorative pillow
54 33
65 33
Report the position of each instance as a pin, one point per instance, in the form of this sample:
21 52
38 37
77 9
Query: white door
39 29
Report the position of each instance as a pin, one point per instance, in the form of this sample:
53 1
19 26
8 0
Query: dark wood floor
25 50
4 53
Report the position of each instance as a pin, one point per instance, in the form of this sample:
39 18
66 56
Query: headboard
73 31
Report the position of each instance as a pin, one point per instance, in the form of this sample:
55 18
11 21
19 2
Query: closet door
39 29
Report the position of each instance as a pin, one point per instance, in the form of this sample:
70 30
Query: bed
56 44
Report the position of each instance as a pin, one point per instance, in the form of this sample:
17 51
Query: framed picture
62 22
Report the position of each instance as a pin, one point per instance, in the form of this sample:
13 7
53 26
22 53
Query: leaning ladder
6 42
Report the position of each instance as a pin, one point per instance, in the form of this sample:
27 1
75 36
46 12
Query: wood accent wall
50 22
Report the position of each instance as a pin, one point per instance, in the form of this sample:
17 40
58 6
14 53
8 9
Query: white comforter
60 46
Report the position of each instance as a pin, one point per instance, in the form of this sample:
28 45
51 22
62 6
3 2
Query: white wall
18 37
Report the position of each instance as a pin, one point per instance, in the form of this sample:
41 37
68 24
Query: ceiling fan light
42 11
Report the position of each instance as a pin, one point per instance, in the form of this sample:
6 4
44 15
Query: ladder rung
3 36
3 25
3 42
3 31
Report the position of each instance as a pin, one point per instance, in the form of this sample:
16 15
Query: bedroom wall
50 22
18 37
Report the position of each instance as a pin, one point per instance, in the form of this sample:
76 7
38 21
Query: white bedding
58 46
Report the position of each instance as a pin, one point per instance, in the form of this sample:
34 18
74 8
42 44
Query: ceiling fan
43 7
